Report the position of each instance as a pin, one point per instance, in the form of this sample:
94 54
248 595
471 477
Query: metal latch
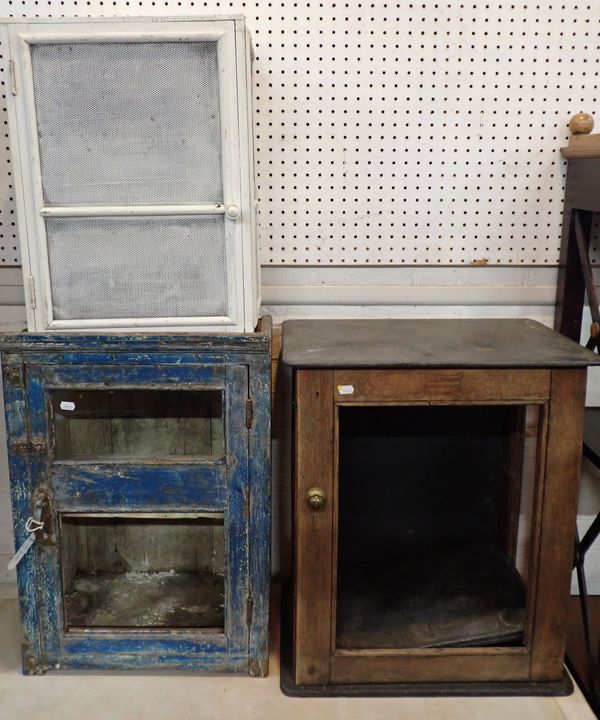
39 527
43 508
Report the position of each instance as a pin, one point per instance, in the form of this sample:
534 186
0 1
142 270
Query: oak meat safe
141 464
435 487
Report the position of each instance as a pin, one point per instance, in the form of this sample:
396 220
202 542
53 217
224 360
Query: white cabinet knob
232 212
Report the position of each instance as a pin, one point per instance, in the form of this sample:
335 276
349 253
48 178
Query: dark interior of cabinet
427 526
139 571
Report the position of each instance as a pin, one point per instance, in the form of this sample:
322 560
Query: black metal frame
575 286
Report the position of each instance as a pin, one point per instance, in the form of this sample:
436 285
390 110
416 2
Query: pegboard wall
396 132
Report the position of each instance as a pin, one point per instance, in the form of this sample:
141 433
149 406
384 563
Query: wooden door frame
81 488
560 394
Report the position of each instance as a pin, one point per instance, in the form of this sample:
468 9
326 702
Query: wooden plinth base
442 689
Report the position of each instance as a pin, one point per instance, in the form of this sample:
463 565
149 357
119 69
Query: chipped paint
237 485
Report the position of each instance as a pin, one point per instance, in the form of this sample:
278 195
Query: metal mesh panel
128 123
143 267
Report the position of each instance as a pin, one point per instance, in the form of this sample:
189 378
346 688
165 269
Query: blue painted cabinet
146 460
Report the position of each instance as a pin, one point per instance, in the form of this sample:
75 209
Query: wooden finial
581 124
581 143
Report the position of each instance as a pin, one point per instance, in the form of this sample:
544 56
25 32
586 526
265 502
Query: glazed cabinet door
419 549
140 475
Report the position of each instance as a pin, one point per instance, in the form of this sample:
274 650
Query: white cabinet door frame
237 205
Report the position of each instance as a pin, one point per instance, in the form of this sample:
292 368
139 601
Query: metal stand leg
581 548
585 609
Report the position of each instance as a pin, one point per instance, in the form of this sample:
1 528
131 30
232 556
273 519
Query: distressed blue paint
27 585
128 486
21 494
216 662
237 526
36 407
18 466
147 376
51 608
14 402
87 342
259 535
121 357
238 485
154 642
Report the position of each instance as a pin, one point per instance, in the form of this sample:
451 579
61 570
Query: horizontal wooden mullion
142 641
430 665
438 387
130 487
142 377
157 515
425 652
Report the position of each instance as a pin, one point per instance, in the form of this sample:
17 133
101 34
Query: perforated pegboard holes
397 133
9 243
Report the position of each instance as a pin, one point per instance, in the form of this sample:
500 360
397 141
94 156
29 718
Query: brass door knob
315 498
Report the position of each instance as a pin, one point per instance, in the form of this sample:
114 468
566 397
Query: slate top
429 344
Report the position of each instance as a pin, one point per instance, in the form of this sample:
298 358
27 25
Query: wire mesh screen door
133 218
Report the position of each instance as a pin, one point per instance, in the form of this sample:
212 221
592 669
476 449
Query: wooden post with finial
581 201
582 144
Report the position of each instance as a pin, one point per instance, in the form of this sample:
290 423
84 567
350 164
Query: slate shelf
164 599
467 596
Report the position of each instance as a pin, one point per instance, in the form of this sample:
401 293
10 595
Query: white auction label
345 389
67 405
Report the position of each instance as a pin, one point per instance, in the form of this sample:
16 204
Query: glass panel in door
429 548
137 424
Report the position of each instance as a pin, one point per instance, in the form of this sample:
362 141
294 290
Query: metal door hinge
13 77
32 291
249 609
13 375
25 447
249 413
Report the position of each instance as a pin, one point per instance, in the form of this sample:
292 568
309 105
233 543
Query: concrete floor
154 696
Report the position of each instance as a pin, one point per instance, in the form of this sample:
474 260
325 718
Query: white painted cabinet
132 146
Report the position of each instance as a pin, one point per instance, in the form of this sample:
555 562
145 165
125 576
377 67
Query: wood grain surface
441 386
313 532
558 515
